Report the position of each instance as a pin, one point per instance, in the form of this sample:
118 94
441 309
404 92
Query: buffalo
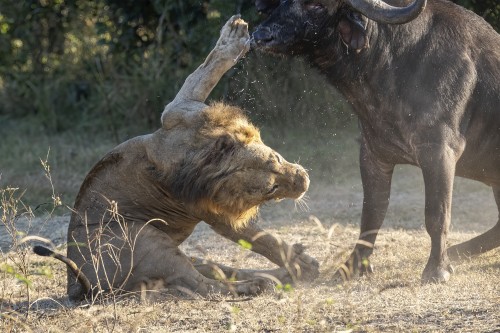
423 78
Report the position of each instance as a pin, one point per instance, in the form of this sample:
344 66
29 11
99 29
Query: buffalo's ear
352 29
266 6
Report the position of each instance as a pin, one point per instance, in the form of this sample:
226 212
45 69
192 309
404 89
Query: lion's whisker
302 204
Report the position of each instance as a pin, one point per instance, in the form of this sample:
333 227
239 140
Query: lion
144 198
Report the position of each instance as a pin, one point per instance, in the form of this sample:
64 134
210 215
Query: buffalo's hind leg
157 257
482 243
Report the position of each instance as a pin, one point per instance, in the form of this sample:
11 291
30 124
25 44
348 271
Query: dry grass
391 300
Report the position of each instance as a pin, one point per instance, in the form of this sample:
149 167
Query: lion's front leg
215 270
233 43
299 265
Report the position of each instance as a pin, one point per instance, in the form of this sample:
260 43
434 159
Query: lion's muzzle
296 182
301 182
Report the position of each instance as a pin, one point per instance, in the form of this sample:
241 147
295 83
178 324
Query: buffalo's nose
262 35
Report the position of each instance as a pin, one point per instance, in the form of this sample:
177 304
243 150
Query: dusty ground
392 300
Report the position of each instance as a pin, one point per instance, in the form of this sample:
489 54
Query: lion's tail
45 252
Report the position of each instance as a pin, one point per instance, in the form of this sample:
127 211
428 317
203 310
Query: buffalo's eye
314 6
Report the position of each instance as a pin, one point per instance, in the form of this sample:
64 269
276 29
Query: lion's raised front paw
234 40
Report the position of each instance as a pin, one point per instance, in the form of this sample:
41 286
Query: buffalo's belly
389 149
480 160
482 165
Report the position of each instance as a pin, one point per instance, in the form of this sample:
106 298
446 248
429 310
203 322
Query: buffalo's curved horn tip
380 11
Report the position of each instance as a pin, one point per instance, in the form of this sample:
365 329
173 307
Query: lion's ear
224 144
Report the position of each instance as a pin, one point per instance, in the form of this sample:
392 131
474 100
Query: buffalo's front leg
376 178
438 168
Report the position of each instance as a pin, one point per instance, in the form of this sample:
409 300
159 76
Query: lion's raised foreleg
232 44
299 265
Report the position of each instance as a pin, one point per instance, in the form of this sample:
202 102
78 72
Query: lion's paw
234 40
306 267
255 286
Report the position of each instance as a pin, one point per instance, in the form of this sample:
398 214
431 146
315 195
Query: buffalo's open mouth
263 39
260 44
262 36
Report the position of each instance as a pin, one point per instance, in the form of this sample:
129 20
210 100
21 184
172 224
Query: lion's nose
301 180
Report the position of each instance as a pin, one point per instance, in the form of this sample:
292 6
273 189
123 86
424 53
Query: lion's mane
204 171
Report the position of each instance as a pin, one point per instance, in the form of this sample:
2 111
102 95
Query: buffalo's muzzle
262 35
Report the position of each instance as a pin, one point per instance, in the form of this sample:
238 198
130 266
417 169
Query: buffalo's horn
380 11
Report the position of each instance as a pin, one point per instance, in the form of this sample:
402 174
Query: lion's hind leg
157 257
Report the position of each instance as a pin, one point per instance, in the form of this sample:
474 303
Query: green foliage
286 288
69 62
184 25
110 66
244 244
32 32
11 270
488 9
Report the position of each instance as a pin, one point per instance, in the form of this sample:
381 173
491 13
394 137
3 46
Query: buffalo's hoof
366 268
437 275
355 267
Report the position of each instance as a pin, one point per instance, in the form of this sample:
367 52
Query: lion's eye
273 189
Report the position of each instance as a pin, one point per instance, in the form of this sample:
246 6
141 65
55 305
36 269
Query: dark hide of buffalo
426 92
